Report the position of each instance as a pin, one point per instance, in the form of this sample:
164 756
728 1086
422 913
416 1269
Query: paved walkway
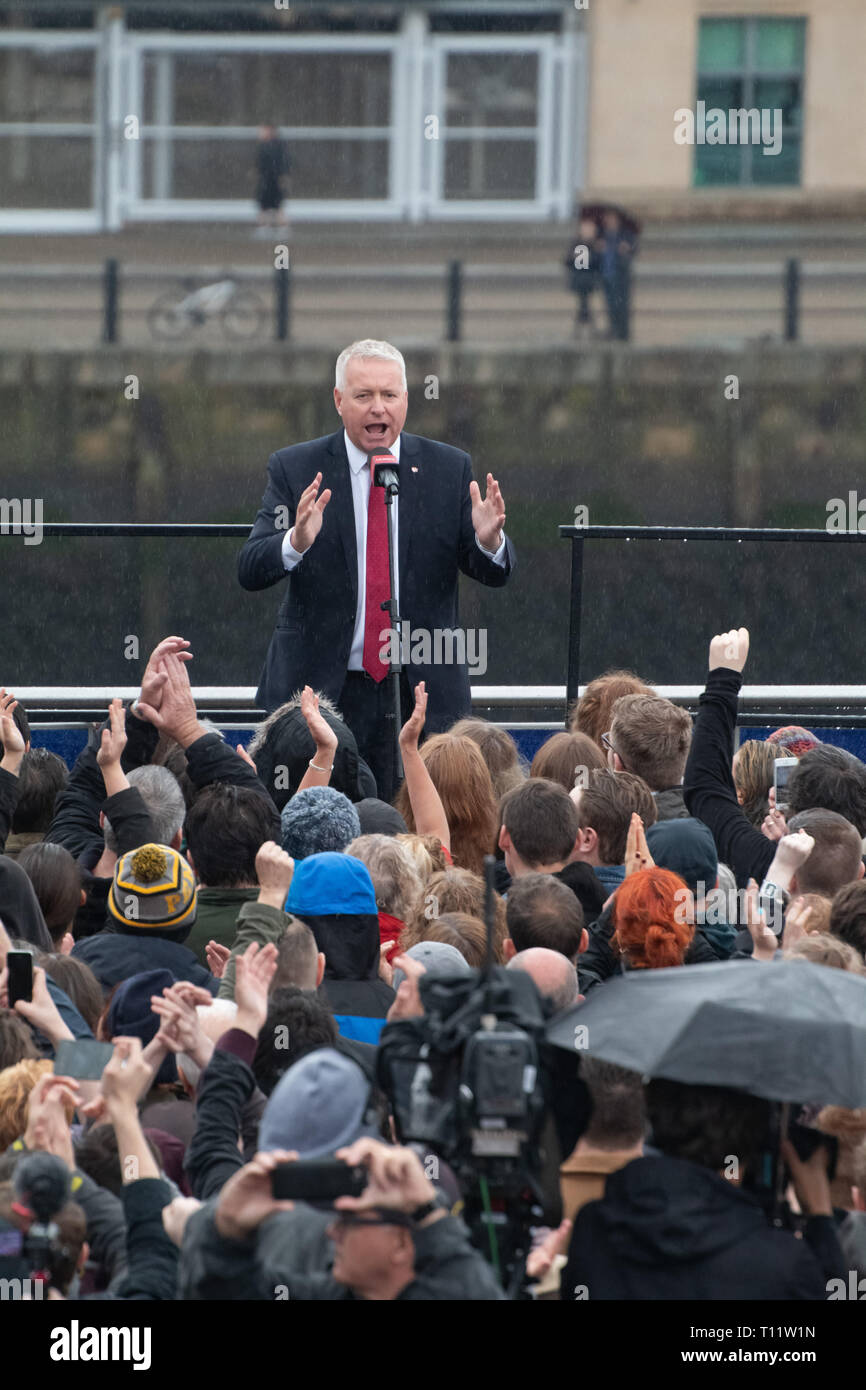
692 286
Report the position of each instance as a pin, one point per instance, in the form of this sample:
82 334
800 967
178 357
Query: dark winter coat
313 636
670 1229
115 956
75 824
353 989
599 961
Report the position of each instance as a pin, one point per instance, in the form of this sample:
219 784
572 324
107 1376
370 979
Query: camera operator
394 1242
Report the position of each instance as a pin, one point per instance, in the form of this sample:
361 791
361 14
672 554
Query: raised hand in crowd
40 1010
792 851
774 825
122 1082
798 922
407 1002
730 649
274 871
50 1107
254 971
176 713
112 744
180 1028
13 740
637 851
397 1180
217 957
765 942
427 808
247 1200
320 767
155 675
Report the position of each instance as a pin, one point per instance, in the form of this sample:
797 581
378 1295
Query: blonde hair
504 762
459 774
426 853
822 948
456 893
396 880
591 714
16 1083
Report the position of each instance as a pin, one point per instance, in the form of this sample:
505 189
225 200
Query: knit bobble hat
153 888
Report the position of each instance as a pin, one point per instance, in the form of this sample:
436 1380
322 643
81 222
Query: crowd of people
243 931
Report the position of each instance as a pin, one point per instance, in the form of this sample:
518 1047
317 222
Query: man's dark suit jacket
313 636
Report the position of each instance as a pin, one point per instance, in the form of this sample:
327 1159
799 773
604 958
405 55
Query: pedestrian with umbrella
616 247
718 1045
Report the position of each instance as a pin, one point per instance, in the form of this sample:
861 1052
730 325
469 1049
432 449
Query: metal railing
519 289
840 706
579 535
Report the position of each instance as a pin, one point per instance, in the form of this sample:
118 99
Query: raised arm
708 783
426 803
10 766
318 774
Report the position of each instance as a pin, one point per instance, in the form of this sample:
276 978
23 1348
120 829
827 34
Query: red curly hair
648 912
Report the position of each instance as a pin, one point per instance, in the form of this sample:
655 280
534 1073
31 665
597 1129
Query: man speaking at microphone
322 523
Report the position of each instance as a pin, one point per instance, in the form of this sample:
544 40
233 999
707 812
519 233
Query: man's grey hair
368 347
554 975
163 798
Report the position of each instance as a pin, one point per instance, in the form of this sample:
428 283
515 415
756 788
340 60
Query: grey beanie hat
318 820
317 1106
437 957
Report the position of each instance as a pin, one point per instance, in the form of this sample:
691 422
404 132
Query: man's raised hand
488 516
730 649
308 518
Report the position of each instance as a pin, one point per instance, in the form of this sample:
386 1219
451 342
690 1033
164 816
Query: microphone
41 1182
384 469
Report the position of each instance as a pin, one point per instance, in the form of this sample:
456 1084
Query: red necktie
376 618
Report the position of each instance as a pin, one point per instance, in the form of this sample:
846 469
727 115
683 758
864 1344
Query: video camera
466 1082
32 1250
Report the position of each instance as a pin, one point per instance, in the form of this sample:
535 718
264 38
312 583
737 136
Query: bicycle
238 310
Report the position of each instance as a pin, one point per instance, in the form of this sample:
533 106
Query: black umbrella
595 212
787 1030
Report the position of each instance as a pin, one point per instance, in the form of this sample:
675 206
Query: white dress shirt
360 477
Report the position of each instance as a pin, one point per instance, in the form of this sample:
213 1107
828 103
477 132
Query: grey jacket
280 1261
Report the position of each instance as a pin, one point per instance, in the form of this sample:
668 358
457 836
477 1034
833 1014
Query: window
751 64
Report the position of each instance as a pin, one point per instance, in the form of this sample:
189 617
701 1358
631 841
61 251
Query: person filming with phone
394 1241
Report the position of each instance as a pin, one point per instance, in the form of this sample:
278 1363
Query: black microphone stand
385 475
